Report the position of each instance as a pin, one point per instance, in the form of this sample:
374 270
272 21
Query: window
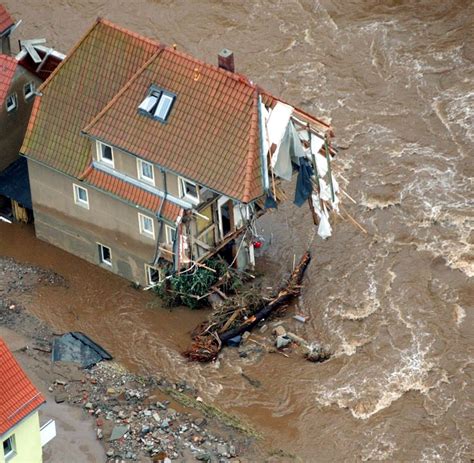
145 171
29 90
189 190
105 153
153 275
9 447
169 234
81 197
12 102
105 255
157 104
146 225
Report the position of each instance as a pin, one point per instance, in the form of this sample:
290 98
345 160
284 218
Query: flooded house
20 76
141 156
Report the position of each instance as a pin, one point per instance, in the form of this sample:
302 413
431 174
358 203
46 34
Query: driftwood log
209 338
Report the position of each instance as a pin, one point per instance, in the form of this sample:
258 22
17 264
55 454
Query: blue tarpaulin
15 184
78 348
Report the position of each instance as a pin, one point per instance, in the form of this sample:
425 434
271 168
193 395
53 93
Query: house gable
93 72
210 133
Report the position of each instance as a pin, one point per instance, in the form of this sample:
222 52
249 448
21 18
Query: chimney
226 60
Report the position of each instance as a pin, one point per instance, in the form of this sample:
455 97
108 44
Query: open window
9 447
169 234
157 104
105 255
188 190
146 224
145 171
154 275
29 90
11 102
105 153
81 196
226 216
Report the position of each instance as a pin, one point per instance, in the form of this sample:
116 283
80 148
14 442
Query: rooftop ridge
251 155
68 56
135 35
234 75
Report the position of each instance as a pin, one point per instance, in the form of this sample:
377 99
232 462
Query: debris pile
135 421
240 314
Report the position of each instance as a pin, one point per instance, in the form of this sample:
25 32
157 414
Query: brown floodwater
395 304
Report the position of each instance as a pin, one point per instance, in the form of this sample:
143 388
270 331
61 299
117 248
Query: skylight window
157 104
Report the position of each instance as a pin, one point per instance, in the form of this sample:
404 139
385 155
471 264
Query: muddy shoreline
114 398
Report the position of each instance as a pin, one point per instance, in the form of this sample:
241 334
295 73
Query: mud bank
132 416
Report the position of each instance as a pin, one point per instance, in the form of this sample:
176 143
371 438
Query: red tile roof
7 71
6 20
211 135
18 395
93 72
132 194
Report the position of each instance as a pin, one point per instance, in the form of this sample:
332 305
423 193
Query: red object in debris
257 244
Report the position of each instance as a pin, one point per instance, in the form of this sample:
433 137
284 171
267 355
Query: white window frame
141 224
77 199
14 105
169 232
148 269
144 178
12 451
28 95
154 102
100 156
101 255
184 194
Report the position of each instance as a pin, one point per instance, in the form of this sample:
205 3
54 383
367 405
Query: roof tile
76 91
19 396
132 194
6 21
8 67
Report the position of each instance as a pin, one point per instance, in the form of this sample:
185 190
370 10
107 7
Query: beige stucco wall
109 221
27 441
127 164
13 124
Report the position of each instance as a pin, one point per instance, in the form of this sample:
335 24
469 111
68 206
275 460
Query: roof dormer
157 104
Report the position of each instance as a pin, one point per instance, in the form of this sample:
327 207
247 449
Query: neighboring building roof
7 71
132 194
15 184
19 397
6 20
